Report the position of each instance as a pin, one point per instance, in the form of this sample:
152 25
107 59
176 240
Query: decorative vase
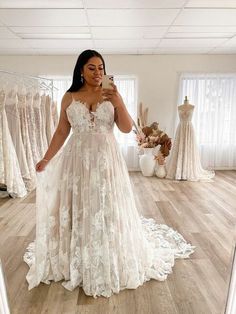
160 171
147 162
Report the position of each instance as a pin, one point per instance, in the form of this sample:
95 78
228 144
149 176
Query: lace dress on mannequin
10 173
185 163
88 229
13 119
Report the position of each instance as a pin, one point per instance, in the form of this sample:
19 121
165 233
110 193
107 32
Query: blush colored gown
88 230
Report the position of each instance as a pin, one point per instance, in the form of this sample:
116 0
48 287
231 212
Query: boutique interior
173 65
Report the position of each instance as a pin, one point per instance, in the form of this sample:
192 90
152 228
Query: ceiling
59 27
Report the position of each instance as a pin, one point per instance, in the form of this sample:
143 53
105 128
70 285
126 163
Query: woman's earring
82 79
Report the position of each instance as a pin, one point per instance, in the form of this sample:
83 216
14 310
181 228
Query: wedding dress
39 125
26 139
185 163
88 230
44 119
10 173
32 127
49 119
14 124
55 114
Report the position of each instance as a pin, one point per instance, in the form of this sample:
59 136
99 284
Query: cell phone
107 80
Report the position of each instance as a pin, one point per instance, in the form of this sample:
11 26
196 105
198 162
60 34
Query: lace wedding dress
49 119
38 119
25 130
32 127
185 163
14 124
88 230
10 173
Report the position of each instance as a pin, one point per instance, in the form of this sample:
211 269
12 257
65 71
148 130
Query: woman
88 231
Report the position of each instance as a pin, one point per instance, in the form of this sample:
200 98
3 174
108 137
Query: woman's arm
122 117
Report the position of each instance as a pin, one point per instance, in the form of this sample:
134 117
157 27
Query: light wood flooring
204 213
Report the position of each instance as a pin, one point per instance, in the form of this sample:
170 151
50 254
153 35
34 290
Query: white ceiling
59 27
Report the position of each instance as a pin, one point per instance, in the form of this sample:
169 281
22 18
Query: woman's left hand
112 95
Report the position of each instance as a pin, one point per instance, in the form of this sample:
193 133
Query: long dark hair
83 58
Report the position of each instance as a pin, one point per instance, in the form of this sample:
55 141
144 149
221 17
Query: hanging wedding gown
88 230
38 124
10 173
55 114
14 125
26 139
44 119
49 119
32 127
185 163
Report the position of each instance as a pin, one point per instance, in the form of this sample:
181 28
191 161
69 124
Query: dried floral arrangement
151 136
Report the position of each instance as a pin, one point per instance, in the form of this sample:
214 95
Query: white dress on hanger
13 120
10 173
185 163
55 113
38 124
88 230
26 139
49 119
44 125
32 127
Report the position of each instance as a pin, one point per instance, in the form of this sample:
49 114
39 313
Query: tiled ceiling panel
127 32
43 17
207 17
199 42
125 17
146 43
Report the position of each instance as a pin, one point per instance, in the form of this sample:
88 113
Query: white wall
157 75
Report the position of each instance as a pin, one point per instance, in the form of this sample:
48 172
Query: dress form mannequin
186 104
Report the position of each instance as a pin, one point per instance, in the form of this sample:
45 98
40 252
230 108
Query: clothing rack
43 82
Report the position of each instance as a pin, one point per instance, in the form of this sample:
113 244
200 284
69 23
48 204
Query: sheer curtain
127 86
214 119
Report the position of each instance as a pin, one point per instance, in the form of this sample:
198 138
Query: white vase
160 171
147 162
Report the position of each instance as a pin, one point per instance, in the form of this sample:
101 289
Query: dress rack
45 83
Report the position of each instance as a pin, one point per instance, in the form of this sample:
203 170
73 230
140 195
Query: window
214 119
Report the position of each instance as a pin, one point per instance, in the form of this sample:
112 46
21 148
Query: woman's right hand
41 165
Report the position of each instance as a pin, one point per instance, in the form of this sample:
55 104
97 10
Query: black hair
83 58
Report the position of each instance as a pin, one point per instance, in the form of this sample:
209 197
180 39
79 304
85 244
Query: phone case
106 80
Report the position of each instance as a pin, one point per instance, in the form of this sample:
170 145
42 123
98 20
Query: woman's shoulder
66 100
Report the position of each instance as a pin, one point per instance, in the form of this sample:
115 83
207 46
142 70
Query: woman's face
93 71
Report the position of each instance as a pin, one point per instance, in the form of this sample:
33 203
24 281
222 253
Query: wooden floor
204 213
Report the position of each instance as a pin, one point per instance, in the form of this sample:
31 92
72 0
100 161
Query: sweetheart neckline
83 104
